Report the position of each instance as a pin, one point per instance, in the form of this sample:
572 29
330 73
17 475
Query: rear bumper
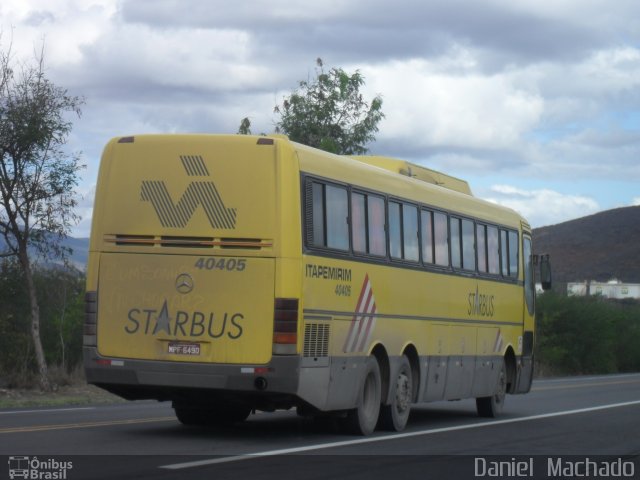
137 379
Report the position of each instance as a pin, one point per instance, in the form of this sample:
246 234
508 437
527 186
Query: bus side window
513 254
456 249
427 235
330 211
509 253
358 223
395 237
493 250
504 253
410 232
337 213
441 237
468 245
481 243
529 284
375 215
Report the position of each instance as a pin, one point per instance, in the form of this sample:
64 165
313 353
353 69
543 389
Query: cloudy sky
536 103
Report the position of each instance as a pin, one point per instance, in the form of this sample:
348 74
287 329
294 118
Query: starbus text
192 324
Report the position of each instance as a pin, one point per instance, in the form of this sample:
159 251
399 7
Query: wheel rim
403 392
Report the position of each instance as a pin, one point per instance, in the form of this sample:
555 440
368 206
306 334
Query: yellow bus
232 273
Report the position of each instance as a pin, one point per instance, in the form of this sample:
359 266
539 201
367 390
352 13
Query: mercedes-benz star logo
184 283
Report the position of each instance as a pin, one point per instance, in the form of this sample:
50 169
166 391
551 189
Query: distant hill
80 251
78 257
598 247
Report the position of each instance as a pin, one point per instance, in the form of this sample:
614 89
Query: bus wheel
362 420
492 406
394 417
189 416
228 414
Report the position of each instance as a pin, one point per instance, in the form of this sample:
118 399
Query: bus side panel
461 362
436 379
488 361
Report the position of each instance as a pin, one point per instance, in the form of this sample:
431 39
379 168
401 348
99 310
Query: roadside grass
65 395
70 388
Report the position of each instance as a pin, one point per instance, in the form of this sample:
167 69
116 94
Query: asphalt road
574 419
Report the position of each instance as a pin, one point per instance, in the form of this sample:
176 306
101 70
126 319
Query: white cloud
543 207
635 202
85 211
64 26
447 102
143 60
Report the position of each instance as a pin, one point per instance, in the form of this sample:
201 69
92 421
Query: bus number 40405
229 264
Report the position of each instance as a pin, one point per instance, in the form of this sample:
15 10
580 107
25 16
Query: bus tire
362 420
394 417
189 416
492 406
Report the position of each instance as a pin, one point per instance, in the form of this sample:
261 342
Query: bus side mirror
545 270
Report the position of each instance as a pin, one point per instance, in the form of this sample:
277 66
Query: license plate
181 348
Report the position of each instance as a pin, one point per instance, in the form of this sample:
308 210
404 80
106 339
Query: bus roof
416 171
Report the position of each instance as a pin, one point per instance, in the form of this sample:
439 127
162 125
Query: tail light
89 330
285 326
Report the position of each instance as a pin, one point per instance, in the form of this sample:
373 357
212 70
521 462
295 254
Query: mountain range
599 247
78 257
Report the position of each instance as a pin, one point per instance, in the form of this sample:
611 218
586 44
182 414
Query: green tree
16 361
37 177
329 112
585 335
245 126
60 298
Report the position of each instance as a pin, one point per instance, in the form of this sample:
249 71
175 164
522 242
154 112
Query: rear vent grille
144 240
186 242
189 242
316 340
250 243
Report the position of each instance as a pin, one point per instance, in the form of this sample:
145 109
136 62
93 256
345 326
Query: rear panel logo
184 283
198 193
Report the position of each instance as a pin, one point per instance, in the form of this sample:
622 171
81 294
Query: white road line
396 436
14 412
584 378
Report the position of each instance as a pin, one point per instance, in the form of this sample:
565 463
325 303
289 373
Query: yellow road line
582 385
65 426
